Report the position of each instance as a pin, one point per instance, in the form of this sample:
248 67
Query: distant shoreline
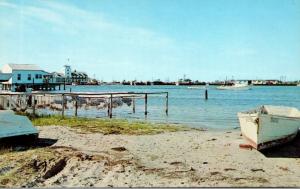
106 84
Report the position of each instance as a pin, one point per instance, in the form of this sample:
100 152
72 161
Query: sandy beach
185 158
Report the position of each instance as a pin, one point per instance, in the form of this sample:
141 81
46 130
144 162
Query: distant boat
234 86
196 87
269 126
12 125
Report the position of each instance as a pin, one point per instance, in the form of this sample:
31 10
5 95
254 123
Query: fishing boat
234 86
13 126
269 126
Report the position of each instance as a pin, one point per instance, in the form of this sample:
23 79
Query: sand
189 158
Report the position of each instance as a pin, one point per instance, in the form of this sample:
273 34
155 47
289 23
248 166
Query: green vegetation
107 126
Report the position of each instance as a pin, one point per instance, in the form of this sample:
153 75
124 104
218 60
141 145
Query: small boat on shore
16 128
269 126
234 86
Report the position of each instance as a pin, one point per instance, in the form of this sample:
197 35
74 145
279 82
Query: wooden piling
167 103
110 106
76 106
63 105
206 94
9 102
33 105
133 105
146 103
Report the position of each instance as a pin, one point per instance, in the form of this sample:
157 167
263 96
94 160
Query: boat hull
12 125
265 131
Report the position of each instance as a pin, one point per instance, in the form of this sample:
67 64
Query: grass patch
107 126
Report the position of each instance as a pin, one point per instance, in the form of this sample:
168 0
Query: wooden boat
12 126
269 126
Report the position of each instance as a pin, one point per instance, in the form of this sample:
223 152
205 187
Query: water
188 106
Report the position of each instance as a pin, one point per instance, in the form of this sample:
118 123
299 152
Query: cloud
68 17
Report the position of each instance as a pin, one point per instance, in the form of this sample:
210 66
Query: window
40 76
19 76
36 76
29 76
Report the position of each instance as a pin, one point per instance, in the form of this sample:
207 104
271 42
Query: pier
60 101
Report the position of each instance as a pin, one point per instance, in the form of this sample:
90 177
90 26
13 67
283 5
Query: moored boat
234 86
269 126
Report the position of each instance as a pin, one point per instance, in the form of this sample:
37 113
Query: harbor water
188 106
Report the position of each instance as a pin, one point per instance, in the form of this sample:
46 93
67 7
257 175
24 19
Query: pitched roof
24 67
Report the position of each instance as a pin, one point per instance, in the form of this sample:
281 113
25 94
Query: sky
205 40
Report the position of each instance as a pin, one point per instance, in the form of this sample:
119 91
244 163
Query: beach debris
215 173
284 168
176 163
205 162
213 139
120 149
246 146
55 169
255 170
6 169
229 169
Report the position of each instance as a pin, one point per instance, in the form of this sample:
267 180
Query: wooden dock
21 101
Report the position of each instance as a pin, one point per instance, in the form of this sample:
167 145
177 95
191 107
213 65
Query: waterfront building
18 77
79 78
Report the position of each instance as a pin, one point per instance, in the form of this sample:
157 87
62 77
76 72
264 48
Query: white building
22 76
68 73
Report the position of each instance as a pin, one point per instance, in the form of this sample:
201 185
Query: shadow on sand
21 144
288 150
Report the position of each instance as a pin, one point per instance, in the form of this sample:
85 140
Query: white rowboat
269 125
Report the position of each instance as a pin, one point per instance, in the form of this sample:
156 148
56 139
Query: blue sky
149 39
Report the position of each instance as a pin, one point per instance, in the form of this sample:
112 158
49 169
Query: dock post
110 106
9 102
146 103
63 105
133 105
206 94
167 103
33 105
76 106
